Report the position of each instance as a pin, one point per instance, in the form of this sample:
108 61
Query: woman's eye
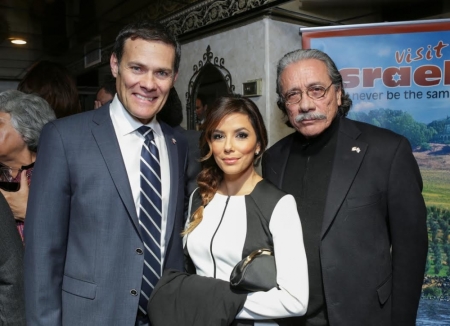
217 136
242 135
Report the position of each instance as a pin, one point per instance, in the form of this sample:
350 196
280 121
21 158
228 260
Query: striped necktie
150 214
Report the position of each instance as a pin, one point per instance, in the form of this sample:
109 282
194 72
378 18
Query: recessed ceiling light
18 41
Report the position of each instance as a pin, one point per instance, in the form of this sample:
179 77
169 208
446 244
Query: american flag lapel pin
174 141
356 149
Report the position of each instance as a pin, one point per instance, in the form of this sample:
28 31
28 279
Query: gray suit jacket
83 257
374 205
12 304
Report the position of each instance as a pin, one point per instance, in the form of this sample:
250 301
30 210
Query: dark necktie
150 214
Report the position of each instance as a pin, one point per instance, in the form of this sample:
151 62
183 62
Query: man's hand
18 200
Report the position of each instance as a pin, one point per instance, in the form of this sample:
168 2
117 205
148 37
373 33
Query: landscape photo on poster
399 79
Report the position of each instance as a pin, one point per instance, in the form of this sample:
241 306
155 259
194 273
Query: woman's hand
18 200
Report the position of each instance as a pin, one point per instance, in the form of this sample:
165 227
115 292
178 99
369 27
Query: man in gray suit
12 311
84 232
358 192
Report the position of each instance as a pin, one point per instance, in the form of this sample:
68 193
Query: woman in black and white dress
239 212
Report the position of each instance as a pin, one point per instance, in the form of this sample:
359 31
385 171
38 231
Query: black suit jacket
12 304
374 206
194 166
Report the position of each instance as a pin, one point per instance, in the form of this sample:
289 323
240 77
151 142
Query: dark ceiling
59 30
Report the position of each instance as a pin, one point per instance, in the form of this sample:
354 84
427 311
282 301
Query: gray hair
333 73
29 113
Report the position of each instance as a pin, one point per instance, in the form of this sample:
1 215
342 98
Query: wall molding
196 20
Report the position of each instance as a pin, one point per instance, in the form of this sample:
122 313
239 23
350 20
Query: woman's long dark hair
211 175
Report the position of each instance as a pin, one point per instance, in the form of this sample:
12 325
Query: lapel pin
174 141
356 149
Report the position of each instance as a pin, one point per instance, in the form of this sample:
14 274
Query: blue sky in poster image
370 51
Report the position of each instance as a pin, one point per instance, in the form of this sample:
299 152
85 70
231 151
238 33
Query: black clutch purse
256 272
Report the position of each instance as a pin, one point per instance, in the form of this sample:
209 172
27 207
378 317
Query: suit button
133 292
139 251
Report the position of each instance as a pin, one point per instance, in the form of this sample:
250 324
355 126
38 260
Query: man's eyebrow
135 63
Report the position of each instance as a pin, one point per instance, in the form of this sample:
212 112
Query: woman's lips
230 160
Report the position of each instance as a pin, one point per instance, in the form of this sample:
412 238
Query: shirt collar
126 124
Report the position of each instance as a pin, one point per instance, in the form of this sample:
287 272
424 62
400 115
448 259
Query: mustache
310 116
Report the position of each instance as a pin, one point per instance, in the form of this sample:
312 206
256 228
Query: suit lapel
105 136
172 151
349 155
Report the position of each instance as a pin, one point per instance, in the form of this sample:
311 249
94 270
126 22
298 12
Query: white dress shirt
130 143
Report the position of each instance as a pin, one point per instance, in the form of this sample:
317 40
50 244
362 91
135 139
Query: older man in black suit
358 192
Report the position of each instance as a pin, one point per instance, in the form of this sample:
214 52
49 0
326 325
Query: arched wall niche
210 79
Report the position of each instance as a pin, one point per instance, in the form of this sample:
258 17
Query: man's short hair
109 86
149 31
202 98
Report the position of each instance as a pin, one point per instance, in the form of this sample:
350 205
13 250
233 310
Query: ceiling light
18 41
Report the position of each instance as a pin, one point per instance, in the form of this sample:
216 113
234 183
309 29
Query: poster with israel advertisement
398 76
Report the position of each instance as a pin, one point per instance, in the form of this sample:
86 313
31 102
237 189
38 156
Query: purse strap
195 201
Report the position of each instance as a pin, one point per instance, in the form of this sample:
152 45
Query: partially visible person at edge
200 111
22 117
88 236
105 93
230 222
358 192
54 83
172 114
12 301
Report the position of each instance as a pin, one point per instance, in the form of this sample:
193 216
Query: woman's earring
256 153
